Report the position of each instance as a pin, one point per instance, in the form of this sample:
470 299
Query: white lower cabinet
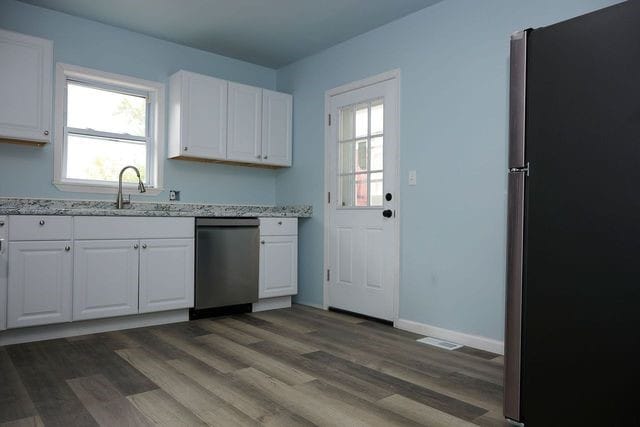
278 257
40 283
166 274
278 266
105 279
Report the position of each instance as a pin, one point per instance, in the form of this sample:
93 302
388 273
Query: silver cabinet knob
265 157
41 222
186 148
1 223
262 242
67 248
135 246
258 156
144 246
46 132
279 222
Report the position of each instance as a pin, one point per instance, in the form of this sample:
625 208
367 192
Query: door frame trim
394 75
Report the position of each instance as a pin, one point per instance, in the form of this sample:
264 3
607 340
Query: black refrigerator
572 335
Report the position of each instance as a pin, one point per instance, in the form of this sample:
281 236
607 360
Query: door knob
387 213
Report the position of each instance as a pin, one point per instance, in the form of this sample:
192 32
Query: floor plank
291 367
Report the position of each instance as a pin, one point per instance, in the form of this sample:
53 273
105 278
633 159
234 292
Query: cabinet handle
135 246
1 223
262 242
144 246
41 222
279 222
46 132
186 148
265 157
258 156
67 248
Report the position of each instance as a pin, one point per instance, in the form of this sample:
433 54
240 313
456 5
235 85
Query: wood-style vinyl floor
298 366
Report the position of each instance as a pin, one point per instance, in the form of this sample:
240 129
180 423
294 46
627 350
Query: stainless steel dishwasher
227 264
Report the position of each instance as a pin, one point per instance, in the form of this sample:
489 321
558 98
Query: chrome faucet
120 201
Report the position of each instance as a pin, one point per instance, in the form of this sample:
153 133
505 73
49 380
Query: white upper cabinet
198 116
244 123
276 128
166 274
26 68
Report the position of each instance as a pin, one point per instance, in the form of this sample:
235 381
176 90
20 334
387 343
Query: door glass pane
346 123
362 120
362 197
377 117
376 189
376 154
105 110
360 154
347 160
347 190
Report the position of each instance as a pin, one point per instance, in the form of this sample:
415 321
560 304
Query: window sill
105 189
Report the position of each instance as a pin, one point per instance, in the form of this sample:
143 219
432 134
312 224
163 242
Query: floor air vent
447 345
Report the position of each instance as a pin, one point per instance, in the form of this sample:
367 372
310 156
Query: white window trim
156 91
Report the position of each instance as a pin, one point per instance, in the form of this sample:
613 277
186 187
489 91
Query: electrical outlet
413 179
174 195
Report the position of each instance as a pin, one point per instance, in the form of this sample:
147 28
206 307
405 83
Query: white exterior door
105 278
362 166
40 283
245 123
25 87
278 266
204 104
166 274
276 127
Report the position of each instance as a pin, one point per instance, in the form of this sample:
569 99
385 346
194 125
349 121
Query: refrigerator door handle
519 170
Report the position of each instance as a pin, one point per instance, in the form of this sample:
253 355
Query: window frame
153 91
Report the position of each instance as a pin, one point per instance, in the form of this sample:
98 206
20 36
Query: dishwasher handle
227 222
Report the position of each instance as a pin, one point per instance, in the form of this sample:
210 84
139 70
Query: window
360 169
105 122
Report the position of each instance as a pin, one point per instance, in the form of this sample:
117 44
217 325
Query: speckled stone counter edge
24 206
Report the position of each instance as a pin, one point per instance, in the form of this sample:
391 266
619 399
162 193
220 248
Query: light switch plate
413 179
174 195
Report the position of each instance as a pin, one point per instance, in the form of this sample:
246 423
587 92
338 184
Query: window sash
148 140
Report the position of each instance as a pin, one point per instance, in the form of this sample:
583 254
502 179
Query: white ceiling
272 33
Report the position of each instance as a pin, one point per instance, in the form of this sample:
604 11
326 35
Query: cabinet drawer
109 227
4 226
278 226
32 227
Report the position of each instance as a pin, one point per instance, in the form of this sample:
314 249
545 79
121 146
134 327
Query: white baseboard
475 341
271 304
71 329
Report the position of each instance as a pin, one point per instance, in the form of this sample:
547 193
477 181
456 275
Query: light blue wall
27 171
454 61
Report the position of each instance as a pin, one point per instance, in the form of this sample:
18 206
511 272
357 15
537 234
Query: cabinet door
25 87
278 266
245 117
105 278
166 274
40 283
276 128
204 117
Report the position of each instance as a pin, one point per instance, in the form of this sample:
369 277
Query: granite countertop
24 206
